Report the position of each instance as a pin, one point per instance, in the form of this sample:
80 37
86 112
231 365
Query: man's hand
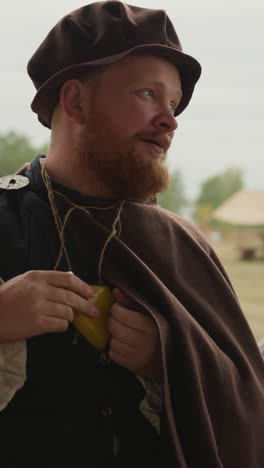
39 302
135 342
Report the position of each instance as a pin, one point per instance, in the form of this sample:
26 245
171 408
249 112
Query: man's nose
165 121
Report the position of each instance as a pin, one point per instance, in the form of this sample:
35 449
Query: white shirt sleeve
150 406
13 358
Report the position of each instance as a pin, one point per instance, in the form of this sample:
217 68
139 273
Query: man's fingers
61 279
53 325
121 360
68 299
131 318
76 294
124 355
64 289
122 332
123 299
60 311
123 350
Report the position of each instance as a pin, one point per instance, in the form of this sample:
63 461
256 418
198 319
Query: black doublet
73 399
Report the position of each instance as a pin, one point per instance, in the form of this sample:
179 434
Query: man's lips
158 144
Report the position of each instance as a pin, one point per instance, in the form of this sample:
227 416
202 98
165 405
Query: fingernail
93 311
90 291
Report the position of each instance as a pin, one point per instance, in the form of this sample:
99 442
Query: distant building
245 212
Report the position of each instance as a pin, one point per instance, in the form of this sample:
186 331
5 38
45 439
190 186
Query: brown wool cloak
213 382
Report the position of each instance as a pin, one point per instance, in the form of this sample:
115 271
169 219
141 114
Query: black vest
76 408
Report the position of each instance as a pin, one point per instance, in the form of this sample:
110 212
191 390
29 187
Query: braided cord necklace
75 207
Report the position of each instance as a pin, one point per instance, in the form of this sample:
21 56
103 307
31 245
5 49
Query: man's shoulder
22 216
182 227
13 238
16 200
12 188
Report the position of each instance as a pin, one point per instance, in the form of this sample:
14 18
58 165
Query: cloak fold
213 371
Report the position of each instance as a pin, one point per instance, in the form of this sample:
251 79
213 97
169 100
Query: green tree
214 191
15 150
174 198
217 189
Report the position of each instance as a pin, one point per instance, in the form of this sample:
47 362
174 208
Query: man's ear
71 100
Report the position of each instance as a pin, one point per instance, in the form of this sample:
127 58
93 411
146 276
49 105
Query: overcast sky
223 125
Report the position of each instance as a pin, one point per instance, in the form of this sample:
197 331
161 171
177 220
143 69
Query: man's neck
73 177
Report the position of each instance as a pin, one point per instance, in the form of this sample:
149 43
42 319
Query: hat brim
47 95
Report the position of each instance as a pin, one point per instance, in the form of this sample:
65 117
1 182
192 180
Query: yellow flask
95 329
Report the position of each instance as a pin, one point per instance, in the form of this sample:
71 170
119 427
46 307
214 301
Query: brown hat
103 33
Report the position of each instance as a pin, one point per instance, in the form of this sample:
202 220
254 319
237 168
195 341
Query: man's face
129 126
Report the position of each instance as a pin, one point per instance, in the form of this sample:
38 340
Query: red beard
123 172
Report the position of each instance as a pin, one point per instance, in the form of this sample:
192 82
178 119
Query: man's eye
147 92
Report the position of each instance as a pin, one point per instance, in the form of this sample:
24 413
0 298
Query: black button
106 412
105 360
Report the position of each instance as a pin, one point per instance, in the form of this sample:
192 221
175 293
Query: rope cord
111 235
74 207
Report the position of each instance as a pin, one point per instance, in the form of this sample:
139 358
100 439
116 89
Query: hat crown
102 33
99 30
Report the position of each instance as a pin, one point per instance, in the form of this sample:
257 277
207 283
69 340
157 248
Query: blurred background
216 161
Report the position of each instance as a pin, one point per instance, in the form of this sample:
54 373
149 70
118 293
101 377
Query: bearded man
179 380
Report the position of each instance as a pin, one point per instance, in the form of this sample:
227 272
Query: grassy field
248 280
